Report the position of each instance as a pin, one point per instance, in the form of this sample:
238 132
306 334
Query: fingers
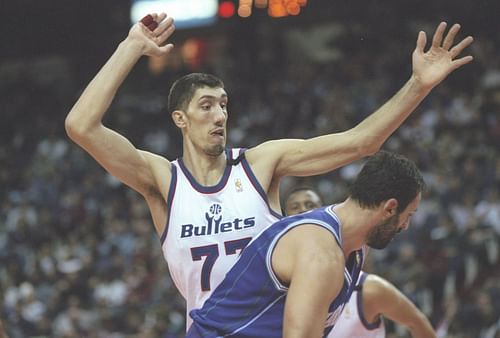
159 17
158 27
147 20
421 42
167 48
448 40
461 46
152 21
462 61
164 31
164 25
438 35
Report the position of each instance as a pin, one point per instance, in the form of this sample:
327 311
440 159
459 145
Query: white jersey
352 322
208 227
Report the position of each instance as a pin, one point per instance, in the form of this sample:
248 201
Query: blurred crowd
78 253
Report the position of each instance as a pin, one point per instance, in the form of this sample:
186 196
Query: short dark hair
387 175
182 91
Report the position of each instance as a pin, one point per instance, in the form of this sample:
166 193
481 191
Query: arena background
78 253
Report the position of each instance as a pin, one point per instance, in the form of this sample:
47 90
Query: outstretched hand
433 66
153 35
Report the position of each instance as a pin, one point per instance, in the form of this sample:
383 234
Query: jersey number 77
211 253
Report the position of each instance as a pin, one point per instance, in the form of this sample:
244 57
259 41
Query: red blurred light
226 9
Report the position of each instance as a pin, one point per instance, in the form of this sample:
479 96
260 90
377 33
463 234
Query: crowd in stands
79 256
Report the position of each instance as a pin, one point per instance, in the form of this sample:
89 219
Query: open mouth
218 132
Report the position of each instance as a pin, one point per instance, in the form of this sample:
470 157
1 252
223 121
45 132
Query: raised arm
84 122
382 298
325 153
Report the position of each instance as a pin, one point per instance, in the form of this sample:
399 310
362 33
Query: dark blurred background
78 252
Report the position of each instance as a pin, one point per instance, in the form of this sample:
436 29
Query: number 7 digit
238 244
211 252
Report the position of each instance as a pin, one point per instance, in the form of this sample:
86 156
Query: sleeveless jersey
250 301
207 227
352 322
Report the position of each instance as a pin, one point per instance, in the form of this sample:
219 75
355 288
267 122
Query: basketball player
302 199
294 278
372 298
235 193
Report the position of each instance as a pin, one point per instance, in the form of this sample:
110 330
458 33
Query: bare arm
325 153
84 122
382 298
310 260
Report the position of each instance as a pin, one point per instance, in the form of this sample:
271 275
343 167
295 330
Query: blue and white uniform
352 323
207 227
250 301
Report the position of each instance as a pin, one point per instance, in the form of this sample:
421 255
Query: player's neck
206 169
355 224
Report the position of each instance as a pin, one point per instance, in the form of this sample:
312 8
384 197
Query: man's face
300 201
206 120
383 233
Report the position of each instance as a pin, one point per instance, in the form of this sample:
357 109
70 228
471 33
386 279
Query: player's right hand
153 42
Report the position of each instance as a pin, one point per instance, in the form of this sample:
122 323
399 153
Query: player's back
250 300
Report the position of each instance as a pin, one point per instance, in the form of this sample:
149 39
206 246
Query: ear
179 118
391 207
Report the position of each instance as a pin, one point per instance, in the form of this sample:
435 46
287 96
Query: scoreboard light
186 13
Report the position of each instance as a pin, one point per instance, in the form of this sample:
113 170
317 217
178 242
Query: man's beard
383 233
215 150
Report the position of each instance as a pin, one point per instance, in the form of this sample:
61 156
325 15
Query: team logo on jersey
238 185
215 224
215 209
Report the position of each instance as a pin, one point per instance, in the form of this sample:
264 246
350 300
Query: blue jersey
250 301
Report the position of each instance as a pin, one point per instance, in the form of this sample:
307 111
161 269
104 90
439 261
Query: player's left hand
433 66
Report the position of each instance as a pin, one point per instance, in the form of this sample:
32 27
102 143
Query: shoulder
317 245
375 287
380 296
161 168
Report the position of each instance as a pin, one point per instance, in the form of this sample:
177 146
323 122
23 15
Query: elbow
72 127
368 147
362 143
76 129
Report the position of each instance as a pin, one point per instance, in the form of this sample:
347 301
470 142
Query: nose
220 116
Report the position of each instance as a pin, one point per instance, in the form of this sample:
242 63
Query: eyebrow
223 96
